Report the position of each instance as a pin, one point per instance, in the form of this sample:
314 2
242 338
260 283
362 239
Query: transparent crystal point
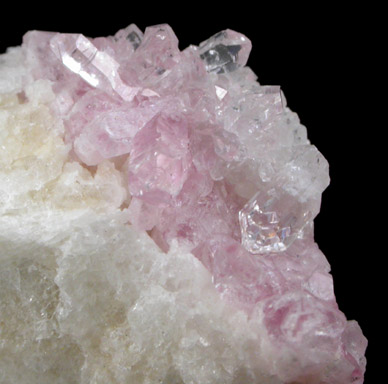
271 221
96 67
132 34
225 51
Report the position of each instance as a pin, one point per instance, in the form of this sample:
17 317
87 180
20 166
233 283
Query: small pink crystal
218 164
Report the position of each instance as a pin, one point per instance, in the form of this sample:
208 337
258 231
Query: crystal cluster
156 219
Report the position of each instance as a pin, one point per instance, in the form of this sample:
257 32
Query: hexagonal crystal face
270 223
225 51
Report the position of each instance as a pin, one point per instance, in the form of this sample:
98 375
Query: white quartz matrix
156 219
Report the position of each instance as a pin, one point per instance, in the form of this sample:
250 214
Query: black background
322 57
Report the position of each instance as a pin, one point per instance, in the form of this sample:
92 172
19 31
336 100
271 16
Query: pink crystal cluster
216 163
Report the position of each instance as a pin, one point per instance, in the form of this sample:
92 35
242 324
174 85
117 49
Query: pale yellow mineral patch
35 170
77 188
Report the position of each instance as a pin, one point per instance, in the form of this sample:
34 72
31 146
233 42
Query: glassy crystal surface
270 223
132 34
96 67
225 51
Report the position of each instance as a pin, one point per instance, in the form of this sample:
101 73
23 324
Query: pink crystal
217 163
97 67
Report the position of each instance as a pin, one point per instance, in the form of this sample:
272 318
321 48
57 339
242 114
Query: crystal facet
96 67
270 222
225 51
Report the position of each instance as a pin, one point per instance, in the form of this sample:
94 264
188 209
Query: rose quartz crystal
217 164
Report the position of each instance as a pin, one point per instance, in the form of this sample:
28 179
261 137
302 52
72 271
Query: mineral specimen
156 219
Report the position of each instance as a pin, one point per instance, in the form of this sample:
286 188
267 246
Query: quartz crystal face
225 52
156 219
270 225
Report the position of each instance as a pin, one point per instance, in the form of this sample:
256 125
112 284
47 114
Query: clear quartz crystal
271 221
132 34
225 51
96 67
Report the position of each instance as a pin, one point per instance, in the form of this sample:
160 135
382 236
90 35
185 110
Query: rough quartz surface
156 219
